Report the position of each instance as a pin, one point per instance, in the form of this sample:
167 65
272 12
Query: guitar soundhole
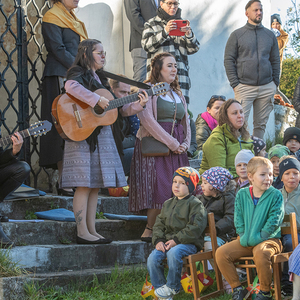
98 110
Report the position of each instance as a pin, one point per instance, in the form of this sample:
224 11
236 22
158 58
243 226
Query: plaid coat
156 40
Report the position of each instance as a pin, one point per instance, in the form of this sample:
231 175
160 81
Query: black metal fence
21 66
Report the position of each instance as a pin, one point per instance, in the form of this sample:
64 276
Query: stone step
55 232
12 288
73 257
16 209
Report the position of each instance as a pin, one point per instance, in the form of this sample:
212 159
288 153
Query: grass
29 215
8 268
122 284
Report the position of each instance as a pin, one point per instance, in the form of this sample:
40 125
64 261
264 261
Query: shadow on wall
207 65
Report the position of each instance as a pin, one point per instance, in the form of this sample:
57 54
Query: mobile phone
177 31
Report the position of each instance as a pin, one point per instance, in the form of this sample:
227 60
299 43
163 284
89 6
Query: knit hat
276 18
258 144
190 176
243 156
279 151
218 177
292 133
288 163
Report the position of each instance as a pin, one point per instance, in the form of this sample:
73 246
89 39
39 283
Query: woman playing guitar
94 162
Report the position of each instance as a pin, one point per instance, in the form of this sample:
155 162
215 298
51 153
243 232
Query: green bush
289 76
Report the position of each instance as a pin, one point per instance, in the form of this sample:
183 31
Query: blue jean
287 246
174 255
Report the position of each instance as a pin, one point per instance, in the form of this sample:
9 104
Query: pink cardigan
150 127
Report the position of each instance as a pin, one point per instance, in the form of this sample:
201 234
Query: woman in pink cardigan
151 177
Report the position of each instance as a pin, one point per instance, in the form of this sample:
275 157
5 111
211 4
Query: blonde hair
258 161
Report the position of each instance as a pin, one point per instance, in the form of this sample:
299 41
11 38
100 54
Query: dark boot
4 240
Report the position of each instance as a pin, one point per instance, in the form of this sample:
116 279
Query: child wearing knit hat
241 162
259 146
274 155
289 173
291 139
176 234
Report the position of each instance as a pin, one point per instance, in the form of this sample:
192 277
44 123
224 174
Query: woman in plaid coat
156 39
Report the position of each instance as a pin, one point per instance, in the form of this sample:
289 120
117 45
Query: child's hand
170 244
160 247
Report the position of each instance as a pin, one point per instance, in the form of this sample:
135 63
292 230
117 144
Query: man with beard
252 66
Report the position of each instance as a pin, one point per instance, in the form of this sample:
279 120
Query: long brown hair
223 119
156 66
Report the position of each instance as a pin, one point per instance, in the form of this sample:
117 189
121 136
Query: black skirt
51 144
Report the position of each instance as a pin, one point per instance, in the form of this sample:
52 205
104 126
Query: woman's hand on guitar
103 102
143 98
17 141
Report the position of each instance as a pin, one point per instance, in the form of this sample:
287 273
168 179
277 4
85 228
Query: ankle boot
4 240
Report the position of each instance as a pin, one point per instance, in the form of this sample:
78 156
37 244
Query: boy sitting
177 232
258 215
275 153
241 161
289 172
291 139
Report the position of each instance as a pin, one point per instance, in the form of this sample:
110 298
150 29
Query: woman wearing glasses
92 163
156 38
62 32
208 120
227 139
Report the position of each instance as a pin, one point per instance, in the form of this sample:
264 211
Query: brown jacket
282 42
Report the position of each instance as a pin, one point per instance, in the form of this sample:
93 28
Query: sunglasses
176 4
218 97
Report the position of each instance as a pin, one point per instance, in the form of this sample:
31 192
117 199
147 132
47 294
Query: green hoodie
221 148
255 224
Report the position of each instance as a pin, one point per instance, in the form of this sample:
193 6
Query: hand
160 246
170 244
103 102
17 141
187 29
171 25
143 98
181 149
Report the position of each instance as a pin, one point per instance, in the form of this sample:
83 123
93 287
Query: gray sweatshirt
252 56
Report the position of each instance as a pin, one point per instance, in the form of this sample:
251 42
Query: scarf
164 16
60 16
211 122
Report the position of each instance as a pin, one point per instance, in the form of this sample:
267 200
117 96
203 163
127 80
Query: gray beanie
243 157
276 18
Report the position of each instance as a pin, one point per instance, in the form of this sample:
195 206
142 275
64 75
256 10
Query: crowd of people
247 188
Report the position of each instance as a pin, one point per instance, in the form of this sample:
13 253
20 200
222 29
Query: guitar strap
138 84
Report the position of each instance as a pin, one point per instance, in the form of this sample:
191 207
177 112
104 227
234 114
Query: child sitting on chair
289 173
177 232
258 215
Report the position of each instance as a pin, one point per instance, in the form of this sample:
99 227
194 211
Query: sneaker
261 296
165 292
287 290
239 294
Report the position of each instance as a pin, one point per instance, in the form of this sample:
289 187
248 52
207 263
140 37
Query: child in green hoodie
258 214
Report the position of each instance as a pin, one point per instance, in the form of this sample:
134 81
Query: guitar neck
7 140
128 99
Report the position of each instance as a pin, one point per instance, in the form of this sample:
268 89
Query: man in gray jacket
252 66
138 12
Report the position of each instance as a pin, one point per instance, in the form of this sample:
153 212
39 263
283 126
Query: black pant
12 176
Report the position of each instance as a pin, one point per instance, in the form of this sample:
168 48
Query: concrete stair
48 250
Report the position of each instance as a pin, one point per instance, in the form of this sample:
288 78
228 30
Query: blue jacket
257 224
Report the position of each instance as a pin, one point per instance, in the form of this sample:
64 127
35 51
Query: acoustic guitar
36 129
76 120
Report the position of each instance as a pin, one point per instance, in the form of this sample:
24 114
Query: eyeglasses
101 53
218 97
176 4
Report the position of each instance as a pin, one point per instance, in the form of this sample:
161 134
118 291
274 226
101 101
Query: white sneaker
165 292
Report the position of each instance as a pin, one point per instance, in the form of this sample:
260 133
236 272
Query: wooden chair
278 258
190 262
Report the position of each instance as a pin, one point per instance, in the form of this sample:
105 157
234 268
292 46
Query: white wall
212 22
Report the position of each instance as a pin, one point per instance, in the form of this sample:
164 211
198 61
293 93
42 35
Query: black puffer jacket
223 208
296 102
202 131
